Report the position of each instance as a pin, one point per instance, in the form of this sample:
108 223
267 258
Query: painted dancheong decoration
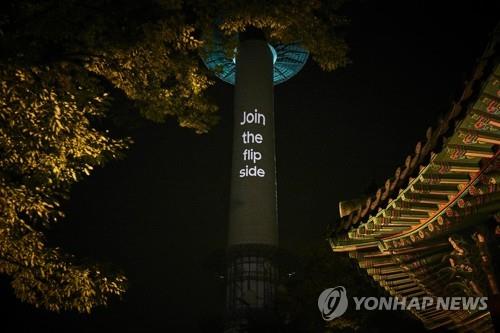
427 232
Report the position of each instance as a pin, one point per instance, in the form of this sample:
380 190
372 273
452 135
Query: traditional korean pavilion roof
425 220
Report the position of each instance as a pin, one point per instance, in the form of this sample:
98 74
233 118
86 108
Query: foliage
316 24
46 144
318 269
61 65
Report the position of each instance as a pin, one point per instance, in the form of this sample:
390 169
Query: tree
62 63
46 144
318 269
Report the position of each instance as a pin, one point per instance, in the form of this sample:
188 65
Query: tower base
252 280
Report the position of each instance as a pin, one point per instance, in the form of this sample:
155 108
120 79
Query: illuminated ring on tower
288 60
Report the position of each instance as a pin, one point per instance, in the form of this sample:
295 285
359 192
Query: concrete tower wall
253 211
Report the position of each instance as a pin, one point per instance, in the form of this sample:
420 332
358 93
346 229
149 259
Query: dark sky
161 212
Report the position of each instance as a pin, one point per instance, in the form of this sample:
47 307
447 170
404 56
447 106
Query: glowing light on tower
253 222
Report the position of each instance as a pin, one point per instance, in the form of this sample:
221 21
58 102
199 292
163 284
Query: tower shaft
253 212
252 254
253 226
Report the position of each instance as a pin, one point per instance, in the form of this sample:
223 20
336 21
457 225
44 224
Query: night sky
161 213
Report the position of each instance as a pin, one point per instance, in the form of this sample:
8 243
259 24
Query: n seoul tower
253 222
